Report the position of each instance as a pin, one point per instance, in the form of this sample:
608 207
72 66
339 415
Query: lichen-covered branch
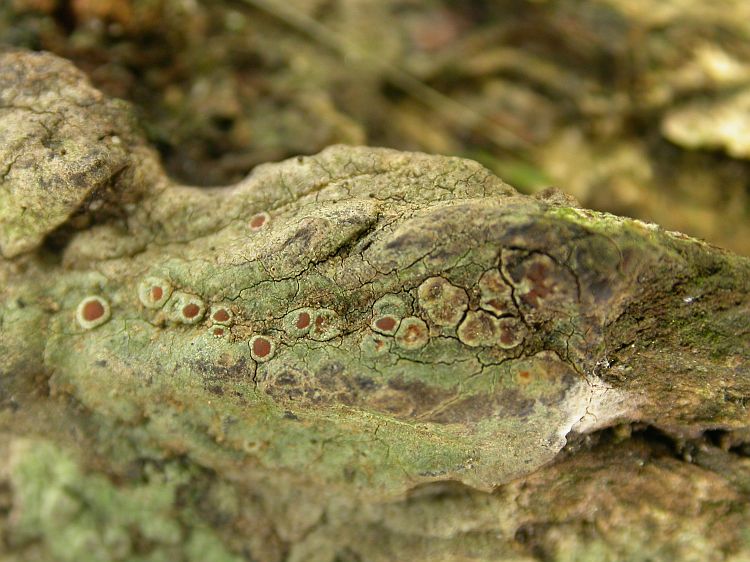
281 362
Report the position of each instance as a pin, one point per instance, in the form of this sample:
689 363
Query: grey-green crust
557 322
65 150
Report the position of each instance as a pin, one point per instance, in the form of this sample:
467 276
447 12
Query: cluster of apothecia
494 323
489 319
186 308
318 324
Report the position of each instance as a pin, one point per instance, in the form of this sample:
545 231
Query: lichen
62 513
395 321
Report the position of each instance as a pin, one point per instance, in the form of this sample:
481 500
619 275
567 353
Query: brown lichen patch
258 221
444 303
92 311
218 332
412 333
153 292
262 348
397 403
329 383
495 295
387 324
421 398
542 287
333 383
226 369
480 328
504 403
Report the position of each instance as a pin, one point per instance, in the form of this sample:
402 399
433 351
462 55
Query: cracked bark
623 407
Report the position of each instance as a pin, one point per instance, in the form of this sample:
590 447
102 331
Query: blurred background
634 107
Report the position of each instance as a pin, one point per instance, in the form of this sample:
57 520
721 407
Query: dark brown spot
524 374
157 293
386 323
92 310
506 337
218 332
219 372
303 320
261 347
221 315
365 383
190 310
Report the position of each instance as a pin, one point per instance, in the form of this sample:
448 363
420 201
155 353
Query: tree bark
360 355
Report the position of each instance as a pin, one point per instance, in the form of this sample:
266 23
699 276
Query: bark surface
360 355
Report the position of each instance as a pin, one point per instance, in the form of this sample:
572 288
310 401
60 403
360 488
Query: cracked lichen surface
360 322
